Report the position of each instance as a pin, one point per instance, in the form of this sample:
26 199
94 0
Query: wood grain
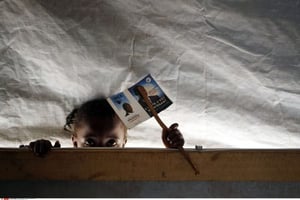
150 164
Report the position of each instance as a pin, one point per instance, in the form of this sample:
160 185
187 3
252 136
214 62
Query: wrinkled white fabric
232 68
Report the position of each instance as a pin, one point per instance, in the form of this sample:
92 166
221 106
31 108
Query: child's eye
111 143
89 142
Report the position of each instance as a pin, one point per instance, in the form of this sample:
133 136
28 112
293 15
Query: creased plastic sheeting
231 67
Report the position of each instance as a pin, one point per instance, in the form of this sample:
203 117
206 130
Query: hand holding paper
172 137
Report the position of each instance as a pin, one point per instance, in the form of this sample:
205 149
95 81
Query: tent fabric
232 68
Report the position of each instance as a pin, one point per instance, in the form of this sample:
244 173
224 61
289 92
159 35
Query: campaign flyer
130 106
159 99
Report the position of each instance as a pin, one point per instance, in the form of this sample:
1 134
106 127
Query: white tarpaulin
232 68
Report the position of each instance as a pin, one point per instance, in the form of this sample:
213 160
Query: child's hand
172 137
41 147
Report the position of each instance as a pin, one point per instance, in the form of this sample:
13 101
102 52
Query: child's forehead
101 124
102 119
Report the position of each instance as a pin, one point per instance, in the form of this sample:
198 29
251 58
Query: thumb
174 126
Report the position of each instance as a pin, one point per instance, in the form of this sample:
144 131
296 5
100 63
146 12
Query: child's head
95 124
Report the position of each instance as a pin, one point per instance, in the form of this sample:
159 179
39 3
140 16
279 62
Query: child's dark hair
96 108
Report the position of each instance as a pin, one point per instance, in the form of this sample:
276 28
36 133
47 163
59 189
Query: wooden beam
150 164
